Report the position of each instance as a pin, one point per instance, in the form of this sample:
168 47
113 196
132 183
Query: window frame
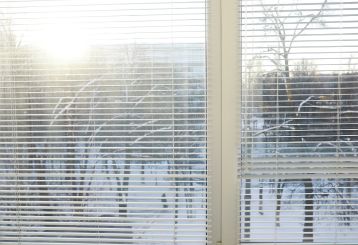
224 71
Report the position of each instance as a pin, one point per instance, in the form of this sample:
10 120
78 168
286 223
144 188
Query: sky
75 25
330 43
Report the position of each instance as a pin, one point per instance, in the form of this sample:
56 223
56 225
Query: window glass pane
103 122
298 167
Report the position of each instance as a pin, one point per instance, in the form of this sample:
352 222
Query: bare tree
280 24
287 27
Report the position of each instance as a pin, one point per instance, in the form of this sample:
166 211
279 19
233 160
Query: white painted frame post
214 120
223 122
230 121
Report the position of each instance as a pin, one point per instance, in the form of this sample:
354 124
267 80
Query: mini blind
299 115
103 122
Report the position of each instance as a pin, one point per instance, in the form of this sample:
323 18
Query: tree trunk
278 201
261 199
308 220
287 77
247 215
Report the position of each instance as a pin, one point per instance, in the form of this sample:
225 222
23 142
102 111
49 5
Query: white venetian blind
299 114
103 122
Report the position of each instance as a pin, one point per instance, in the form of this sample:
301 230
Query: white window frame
223 122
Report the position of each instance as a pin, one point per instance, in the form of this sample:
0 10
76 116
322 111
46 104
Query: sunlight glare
64 42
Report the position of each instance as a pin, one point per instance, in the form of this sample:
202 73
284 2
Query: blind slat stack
103 122
298 164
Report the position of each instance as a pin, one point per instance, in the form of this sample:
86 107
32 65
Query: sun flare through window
103 122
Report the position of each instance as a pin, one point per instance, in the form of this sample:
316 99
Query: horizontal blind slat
298 170
103 122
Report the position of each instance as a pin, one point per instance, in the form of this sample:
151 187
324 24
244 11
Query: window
103 122
178 122
299 122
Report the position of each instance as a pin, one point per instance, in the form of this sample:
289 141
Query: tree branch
313 18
